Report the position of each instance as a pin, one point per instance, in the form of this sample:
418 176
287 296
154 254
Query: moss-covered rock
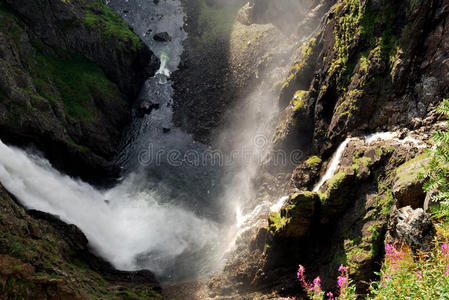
55 96
408 185
295 218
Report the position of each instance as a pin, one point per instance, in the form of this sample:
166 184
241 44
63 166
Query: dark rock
306 174
295 217
162 37
145 108
77 123
79 244
258 241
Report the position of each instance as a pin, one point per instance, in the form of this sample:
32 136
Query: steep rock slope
372 66
44 258
228 53
70 68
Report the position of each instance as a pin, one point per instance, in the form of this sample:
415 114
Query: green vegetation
305 52
298 99
313 161
99 15
437 172
404 276
76 80
332 184
358 24
277 222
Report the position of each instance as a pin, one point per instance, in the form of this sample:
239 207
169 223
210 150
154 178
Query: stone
162 37
145 108
408 187
415 227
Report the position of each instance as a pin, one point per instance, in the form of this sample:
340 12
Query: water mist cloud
133 229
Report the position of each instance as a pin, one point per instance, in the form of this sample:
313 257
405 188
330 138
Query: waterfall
174 212
333 165
130 226
369 139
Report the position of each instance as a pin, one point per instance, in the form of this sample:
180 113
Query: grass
424 277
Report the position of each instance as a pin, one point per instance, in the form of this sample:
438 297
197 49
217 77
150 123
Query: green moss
99 16
349 102
313 161
332 185
305 52
298 99
277 222
76 79
347 29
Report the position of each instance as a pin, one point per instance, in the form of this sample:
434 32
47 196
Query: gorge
203 149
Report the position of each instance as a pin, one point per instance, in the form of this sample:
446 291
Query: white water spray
333 166
132 223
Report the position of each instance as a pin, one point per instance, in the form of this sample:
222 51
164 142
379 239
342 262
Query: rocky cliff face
372 66
70 68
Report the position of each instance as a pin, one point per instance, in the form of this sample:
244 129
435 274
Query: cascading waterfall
125 224
369 139
161 216
333 166
174 212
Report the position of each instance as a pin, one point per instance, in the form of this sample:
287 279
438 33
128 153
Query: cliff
371 66
71 69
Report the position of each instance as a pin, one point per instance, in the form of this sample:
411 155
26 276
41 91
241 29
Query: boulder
408 187
145 108
162 37
415 227
306 174
295 218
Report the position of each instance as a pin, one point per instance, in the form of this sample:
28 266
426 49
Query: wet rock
258 241
162 37
145 108
415 227
306 174
80 138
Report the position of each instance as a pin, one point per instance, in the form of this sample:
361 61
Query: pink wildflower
447 270
419 276
330 296
393 255
342 282
300 273
385 279
445 249
317 285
